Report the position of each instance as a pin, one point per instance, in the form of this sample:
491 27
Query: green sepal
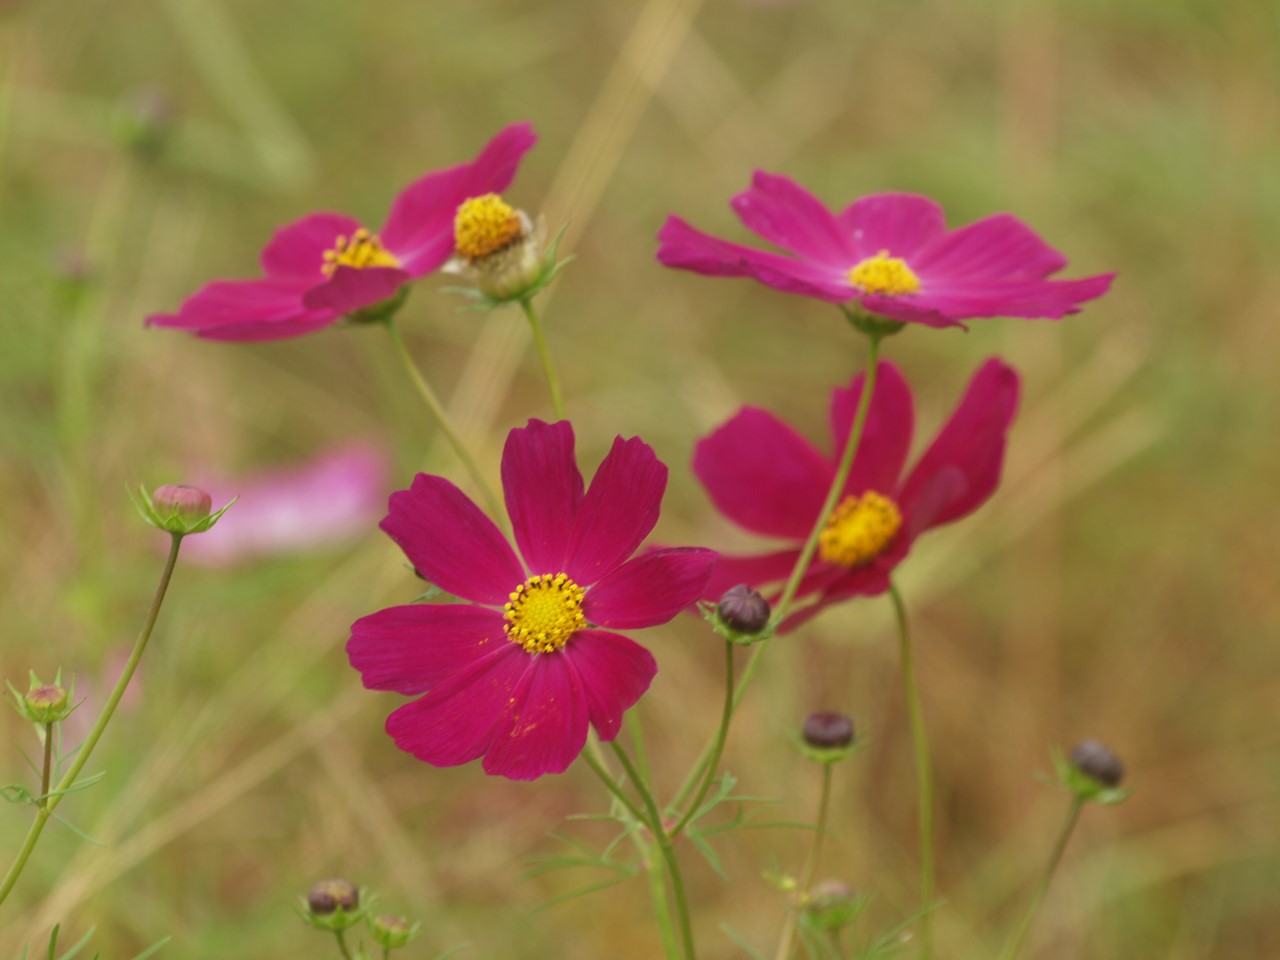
172 522
869 323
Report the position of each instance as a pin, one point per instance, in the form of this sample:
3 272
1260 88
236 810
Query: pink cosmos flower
327 265
516 673
767 478
329 499
889 254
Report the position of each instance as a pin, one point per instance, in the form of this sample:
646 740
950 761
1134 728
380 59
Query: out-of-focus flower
327 265
889 255
517 672
767 478
333 498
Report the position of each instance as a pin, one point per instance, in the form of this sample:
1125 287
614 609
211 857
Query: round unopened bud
185 503
1092 758
744 609
832 905
47 698
828 730
393 932
330 895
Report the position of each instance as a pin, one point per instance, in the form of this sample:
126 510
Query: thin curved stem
783 605
787 942
1019 935
342 944
668 852
717 749
47 769
437 411
553 382
54 797
924 772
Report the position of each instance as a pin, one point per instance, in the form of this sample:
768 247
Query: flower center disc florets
361 249
544 612
484 225
884 274
859 529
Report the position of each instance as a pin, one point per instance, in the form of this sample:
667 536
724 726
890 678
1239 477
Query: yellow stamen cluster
484 225
859 529
544 612
361 249
884 274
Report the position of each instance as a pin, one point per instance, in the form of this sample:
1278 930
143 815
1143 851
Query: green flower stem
666 848
442 421
47 769
713 760
1019 935
783 606
787 942
342 944
924 772
86 749
653 865
553 382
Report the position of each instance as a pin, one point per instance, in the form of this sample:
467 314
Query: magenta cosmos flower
516 673
890 254
328 265
767 478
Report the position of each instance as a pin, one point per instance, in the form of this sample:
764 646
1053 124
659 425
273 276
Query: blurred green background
1121 585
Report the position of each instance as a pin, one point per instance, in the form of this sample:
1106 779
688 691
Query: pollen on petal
360 250
484 225
859 529
544 612
885 275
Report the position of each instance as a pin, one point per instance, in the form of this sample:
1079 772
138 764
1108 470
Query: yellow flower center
484 225
859 529
884 274
544 612
361 249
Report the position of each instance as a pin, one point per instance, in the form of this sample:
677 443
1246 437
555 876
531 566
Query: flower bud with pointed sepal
499 250
1092 773
392 933
44 703
334 905
741 616
178 509
832 905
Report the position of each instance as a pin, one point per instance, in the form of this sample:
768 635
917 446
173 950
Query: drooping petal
412 648
886 435
971 443
686 248
1000 247
350 289
419 229
451 542
869 581
454 723
544 725
790 217
543 490
614 672
896 223
246 311
650 589
1029 299
297 249
762 475
618 511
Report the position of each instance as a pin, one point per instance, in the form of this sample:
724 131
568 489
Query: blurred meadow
1122 584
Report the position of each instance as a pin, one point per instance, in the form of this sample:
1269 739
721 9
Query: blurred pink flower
890 254
335 497
328 265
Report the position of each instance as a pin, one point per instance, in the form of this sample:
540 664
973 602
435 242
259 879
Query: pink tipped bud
828 730
186 503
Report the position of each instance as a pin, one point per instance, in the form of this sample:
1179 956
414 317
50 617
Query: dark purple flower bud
330 895
1092 758
828 730
744 609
